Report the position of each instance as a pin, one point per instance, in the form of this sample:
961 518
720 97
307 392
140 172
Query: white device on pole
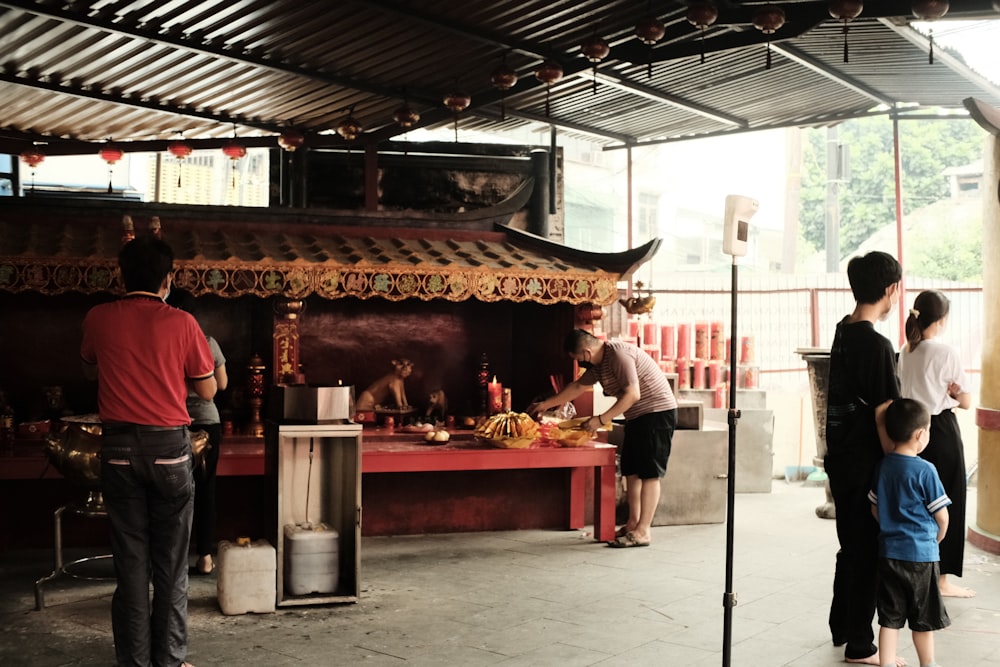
736 230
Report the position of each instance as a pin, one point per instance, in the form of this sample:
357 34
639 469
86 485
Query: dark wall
346 340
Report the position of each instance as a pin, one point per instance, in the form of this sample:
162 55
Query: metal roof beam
650 93
798 56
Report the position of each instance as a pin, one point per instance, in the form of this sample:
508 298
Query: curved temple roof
78 254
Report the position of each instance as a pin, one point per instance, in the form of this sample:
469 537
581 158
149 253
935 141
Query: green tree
867 201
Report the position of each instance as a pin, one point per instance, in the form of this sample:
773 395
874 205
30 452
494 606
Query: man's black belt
119 428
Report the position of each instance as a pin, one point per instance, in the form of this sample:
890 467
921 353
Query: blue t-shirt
907 493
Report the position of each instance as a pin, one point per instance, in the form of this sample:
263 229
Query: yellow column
985 533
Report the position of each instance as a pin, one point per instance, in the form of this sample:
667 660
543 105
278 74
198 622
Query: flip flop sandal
626 541
621 532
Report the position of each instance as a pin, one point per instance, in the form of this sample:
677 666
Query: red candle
668 344
633 328
683 341
495 394
649 334
653 351
713 374
698 381
701 340
720 396
750 377
683 379
718 346
746 350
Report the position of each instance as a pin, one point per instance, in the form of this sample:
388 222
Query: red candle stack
718 341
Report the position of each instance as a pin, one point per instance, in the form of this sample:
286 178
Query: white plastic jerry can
247 576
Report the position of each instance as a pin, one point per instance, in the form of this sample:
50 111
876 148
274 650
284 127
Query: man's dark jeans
149 495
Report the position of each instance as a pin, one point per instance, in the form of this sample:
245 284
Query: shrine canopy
78 253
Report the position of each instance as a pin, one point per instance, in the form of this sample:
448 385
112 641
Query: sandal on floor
621 532
628 540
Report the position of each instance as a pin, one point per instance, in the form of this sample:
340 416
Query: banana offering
509 429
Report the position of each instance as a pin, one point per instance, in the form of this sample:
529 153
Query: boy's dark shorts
646 445
908 594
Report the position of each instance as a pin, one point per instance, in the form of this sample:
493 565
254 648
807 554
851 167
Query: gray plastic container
312 562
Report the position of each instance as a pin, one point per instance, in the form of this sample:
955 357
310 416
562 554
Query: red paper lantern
179 149
111 153
548 73
290 139
768 20
32 156
457 101
234 150
650 30
405 117
350 128
595 48
846 10
929 10
503 78
701 15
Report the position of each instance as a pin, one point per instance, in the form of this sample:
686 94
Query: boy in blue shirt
911 506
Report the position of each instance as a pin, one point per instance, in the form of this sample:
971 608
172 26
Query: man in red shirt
144 354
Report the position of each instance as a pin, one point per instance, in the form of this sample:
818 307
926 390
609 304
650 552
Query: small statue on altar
438 406
387 386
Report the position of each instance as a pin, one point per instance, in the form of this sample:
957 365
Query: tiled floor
529 598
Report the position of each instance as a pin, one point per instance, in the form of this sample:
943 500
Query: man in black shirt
862 377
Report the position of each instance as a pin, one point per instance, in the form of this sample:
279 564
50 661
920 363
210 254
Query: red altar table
399 454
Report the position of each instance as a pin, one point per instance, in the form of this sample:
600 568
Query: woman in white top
931 372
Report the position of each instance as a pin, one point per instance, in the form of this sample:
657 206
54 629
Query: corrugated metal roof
148 70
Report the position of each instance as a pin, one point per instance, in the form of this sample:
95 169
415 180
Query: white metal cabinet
333 487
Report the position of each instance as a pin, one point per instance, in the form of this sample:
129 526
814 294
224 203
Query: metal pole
729 597
897 160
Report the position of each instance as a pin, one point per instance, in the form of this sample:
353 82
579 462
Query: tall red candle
698 381
683 341
495 395
683 377
650 333
633 328
713 374
718 341
668 343
701 340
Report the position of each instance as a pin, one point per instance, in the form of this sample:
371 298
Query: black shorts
646 445
908 594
